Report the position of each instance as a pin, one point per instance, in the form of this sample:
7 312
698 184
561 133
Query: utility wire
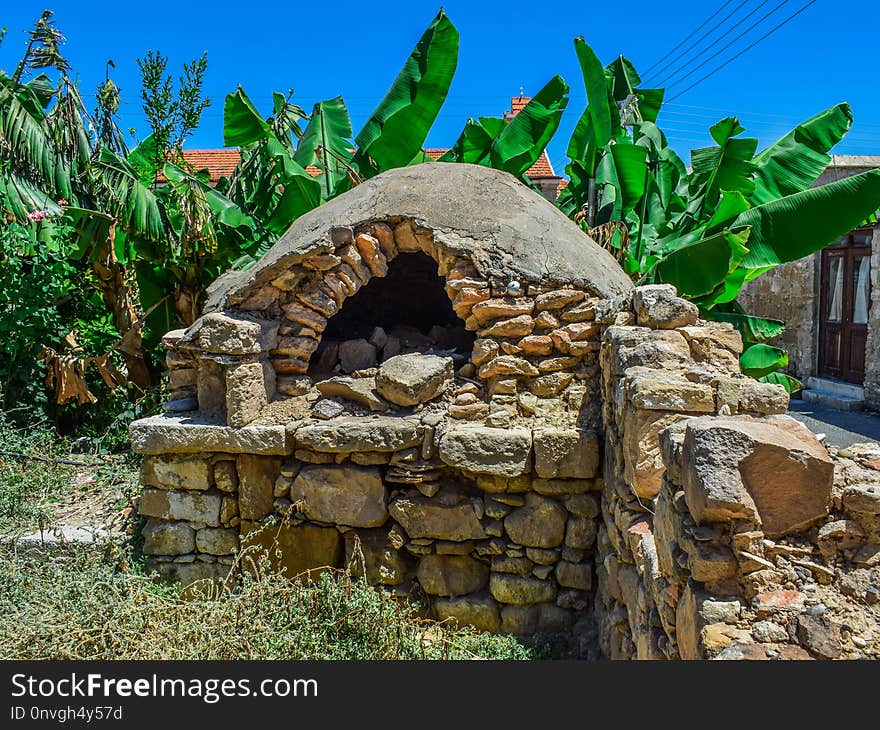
688 37
701 38
684 66
744 50
730 43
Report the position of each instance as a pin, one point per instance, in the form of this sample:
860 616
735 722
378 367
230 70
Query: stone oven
410 383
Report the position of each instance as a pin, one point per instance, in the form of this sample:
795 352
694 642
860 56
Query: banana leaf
227 212
798 159
699 268
524 138
759 360
398 127
326 141
753 329
725 167
799 224
127 198
242 123
630 162
791 384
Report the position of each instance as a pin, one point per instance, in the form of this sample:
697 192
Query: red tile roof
222 162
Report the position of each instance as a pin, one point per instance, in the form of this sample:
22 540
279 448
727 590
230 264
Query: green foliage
708 230
52 611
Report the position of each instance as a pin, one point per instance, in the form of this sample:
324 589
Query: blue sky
322 49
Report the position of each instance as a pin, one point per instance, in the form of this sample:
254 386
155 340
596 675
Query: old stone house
832 330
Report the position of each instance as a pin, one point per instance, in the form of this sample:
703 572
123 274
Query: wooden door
845 298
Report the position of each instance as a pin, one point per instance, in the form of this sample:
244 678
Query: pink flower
37 215
62 201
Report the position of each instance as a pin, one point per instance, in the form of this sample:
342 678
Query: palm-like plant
714 227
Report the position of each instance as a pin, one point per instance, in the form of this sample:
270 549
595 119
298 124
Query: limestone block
566 453
188 573
342 494
520 590
231 334
539 523
507 365
772 471
862 499
195 507
485 450
658 306
478 610
182 433
632 346
168 538
357 390
502 308
764 398
249 387
225 476
176 472
558 299
256 481
574 575
407 380
211 389
643 461
484 350
550 385
296 549
346 435
217 540
374 552
422 517
580 533
513 327
451 575
659 390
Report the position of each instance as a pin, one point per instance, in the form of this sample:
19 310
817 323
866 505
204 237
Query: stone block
249 387
341 494
217 540
485 450
195 507
451 575
422 517
566 453
574 575
772 471
657 306
660 390
642 458
478 610
168 538
296 549
256 482
373 553
175 472
520 590
357 390
231 334
356 355
407 380
181 433
634 346
347 435
539 523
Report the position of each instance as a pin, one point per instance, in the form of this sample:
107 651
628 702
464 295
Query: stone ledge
185 433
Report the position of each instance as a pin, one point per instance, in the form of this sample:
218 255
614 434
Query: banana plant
710 229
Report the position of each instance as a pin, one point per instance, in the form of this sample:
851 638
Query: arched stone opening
405 311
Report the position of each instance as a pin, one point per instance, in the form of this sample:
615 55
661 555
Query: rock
422 517
633 346
296 549
217 540
862 499
451 575
485 450
182 433
772 471
176 472
574 575
374 552
769 632
580 533
659 390
484 350
256 482
407 380
327 409
770 603
839 535
566 453
657 306
478 610
548 386
536 345
357 390
513 327
195 507
341 494
356 355
643 461
540 523
225 476
507 365
226 334
347 435
168 538
764 398
820 636
502 308
521 590
558 299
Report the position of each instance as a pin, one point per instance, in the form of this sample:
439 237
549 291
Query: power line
730 43
730 30
688 36
744 50
702 37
